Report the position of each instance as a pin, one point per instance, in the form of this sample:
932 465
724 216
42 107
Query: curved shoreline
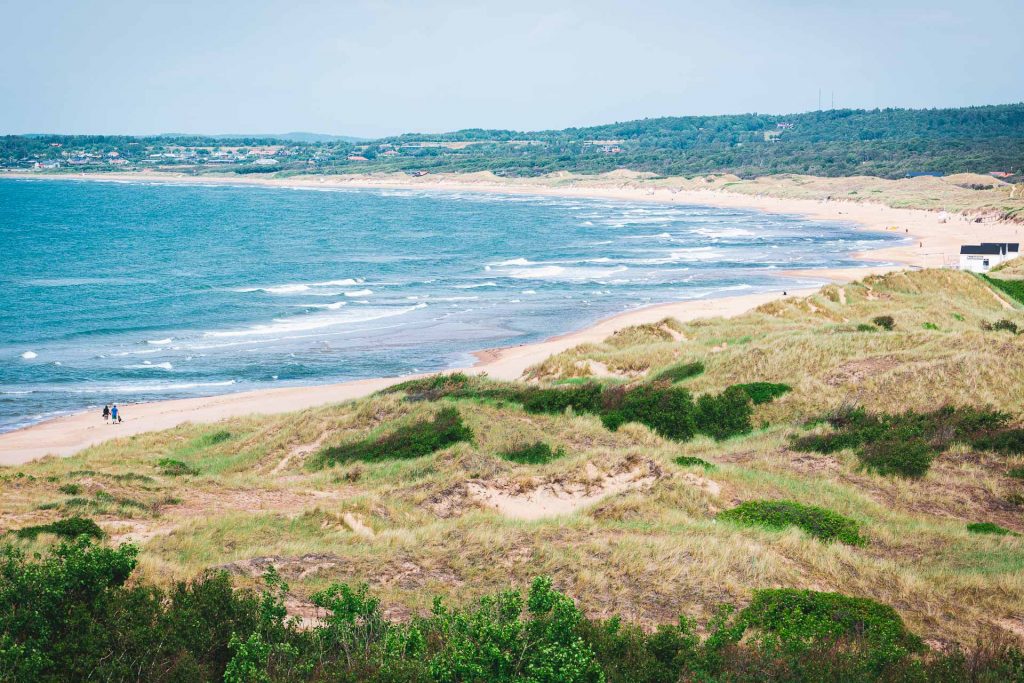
935 241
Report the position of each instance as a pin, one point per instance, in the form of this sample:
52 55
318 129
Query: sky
371 68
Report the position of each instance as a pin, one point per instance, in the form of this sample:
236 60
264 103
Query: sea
137 291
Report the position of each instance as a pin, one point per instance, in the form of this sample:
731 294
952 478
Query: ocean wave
148 388
160 342
29 355
146 365
562 273
327 307
359 292
312 322
476 285
298 287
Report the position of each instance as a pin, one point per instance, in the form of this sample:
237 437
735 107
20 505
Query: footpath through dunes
824 416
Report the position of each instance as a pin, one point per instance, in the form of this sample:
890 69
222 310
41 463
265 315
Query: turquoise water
124 292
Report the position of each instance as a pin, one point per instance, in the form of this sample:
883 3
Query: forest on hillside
891 143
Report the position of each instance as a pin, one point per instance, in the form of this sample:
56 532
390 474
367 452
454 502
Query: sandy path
935 243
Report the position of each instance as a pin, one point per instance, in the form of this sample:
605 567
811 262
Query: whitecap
313 322
146 365
360 292
159 341
29 355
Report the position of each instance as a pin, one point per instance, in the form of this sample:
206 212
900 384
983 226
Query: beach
934 242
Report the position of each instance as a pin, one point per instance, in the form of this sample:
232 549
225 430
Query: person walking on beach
106 414
115 415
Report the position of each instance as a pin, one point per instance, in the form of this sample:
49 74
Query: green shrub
533 454
818 522
1007 442
71 489
668 411
764 392
725 415
409 441
1016 473
175 468
929 326
432 387
788 621
910 458
583 398
680 372
1005 326
690 461
989 528
906 443
865 327
886 322
72 527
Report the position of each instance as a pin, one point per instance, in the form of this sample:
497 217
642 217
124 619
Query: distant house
999 174
357 157
389 153
980 258
264 161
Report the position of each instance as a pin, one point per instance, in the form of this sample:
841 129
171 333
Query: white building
979 258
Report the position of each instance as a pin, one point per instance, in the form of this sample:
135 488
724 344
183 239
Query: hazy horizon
370 69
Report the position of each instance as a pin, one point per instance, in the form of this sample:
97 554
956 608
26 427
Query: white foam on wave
146 365
475 285
513 262
298 287
148 388
724 232
312 322
562 273
160 342
29 355
359 292
327 307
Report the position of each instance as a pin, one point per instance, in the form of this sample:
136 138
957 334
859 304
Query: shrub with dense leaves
905 444
779 514
725 415
764 392
680 372
691 461
789 621
1005 326
669 411
533 454
989 528
71 528
408 441
886 322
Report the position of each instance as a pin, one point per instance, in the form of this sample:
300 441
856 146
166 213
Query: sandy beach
932 242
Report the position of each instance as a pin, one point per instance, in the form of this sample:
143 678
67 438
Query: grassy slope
646 555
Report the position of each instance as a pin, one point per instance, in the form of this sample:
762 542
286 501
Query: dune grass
648 554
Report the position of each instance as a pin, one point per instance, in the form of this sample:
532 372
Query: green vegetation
906 444
409 441
886 322
1005 326
882 142
71 489
691 461
929 326
989 528
1012 288
175 468
865 327
72 527
1016 473
680 372
764 392
818 522
533 454
73 614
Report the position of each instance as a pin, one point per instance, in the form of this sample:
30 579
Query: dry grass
647 554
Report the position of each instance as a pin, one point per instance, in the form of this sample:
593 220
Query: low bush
725 415
1016 473
680 372
906 443
865 327
764 392
71 489
668 411
533 454
1005 326
788 621
929 326
175 468
582 398
690 461
409 441
818 522
74 614
989 528
886 322
72 527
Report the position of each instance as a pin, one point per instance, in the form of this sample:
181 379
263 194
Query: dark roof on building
984 249
1004 247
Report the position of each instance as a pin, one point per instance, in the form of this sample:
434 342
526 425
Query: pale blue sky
372 68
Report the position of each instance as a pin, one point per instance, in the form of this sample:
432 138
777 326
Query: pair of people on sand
111 415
